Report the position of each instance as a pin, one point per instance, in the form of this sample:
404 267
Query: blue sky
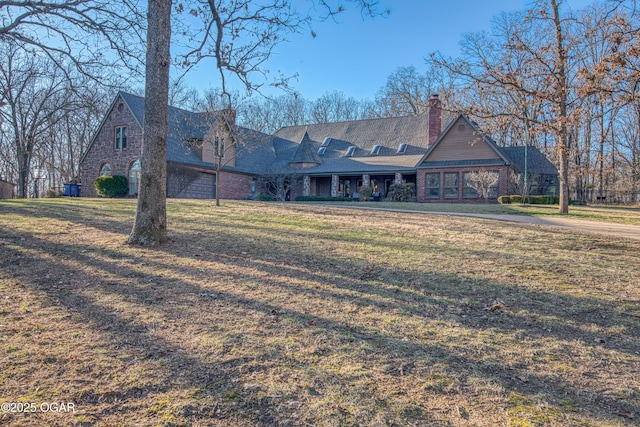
355 55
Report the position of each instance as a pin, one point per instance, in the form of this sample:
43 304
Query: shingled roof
184 126
306 152
256 152
335 139
536 161
389 133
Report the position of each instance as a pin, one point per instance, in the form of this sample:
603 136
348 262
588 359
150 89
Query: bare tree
36 96
80 32
278 183
150 225
406 93
538 42
335 107
270 114
222 138
240 36
485 182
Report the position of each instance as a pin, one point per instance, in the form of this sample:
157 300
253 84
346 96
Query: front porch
350 185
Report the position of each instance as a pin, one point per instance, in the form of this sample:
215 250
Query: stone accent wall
335 181
103 151
306 185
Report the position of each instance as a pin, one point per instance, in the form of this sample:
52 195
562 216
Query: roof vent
321 150
375 150
326 142
402 148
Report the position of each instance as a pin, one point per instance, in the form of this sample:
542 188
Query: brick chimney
435 118
230 116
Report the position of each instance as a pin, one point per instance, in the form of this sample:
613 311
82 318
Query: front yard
290 314
615 214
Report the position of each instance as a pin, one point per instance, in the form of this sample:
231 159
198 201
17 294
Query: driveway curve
598 227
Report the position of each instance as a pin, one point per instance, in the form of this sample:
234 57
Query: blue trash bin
71 190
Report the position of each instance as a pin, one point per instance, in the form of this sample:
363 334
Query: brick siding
200 185
503 184
235 186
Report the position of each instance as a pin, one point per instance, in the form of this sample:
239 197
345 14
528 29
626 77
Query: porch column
398 178
366 182
335 182
306 185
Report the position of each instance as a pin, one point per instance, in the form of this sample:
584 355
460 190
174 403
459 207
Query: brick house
195 144
448 170
336 159
331 159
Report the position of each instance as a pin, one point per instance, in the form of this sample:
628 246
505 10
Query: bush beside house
112 186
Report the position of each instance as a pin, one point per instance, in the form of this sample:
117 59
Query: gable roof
499 159
183 126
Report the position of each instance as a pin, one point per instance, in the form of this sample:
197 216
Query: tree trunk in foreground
150 226
561 100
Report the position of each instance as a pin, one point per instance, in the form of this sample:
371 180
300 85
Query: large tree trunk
24 161
150 226
561 100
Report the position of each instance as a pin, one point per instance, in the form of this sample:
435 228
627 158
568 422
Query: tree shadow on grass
144 280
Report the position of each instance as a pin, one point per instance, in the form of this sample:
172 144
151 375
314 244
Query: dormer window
402 148
326 142
375 150
350 151
321 150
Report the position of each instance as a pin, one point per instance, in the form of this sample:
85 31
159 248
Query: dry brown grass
268 314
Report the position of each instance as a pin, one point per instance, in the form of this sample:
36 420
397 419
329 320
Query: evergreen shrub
112 185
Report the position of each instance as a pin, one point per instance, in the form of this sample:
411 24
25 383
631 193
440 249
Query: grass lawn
266 314
616 214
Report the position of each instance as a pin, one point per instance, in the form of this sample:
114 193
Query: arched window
105 169
134 177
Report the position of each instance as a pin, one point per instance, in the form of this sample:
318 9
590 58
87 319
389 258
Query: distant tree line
567 82
405 93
